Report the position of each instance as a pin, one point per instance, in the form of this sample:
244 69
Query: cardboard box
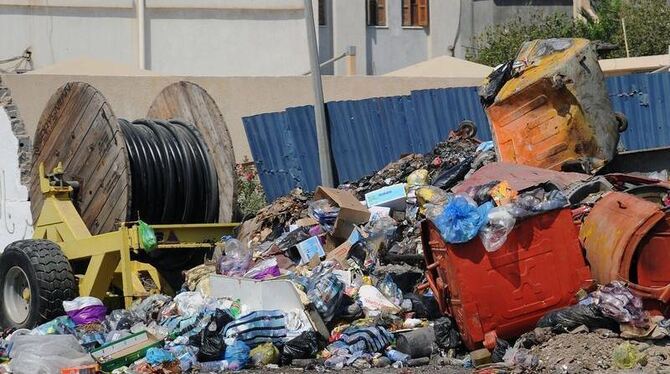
352 212
125 351
341 253
393 197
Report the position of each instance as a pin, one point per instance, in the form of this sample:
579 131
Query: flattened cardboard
352 212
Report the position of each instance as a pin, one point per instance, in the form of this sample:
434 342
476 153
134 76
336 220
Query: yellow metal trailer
37 275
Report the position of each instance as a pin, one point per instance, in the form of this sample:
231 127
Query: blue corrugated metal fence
367 134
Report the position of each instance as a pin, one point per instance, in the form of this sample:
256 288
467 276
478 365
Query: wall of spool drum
79 128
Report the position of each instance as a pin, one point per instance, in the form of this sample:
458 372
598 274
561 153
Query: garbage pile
330 281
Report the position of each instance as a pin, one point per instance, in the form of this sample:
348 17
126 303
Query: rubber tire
49 275
467 128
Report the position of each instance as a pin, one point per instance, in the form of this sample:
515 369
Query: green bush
647 27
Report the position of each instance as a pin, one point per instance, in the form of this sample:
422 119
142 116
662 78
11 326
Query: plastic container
504 293
557 111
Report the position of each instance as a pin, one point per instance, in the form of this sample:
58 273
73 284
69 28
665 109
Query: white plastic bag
494 233
46 354
374 302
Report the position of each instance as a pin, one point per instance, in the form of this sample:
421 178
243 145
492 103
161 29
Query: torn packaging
352 212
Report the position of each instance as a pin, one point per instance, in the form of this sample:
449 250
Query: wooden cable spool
79 129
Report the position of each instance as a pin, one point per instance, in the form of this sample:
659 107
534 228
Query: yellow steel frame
109 254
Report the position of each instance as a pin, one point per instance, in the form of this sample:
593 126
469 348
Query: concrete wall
184 37
393 46
237 97
15 215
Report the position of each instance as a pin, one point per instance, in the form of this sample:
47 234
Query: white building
248 37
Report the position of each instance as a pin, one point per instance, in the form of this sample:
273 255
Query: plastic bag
461 219
448 177
522 358
431 195
190 303
390 290
85 309
498 353
374 302
59 325
258 327
237 355
417 178
147 236
264 354
494 82
237 259
569 318
446 335
210 342
625 356
265 269
157 356
325 291
499 224
304 346
615 300
46 354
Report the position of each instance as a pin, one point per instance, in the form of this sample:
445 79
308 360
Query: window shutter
381 12
423 15
406 12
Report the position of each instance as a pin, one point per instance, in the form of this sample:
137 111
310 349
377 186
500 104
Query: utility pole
325 163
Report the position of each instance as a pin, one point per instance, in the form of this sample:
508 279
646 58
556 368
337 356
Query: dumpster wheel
468 129
622 121
35 279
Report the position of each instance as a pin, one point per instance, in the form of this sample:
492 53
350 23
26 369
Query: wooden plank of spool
79 129
189 102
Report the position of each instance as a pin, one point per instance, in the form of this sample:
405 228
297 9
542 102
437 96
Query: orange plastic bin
504 293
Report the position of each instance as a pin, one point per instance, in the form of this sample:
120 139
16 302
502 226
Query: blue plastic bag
461 219
237 355
157 356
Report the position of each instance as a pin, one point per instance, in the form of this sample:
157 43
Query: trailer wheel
35 279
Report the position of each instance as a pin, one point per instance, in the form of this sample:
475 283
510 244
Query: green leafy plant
647 26
250 194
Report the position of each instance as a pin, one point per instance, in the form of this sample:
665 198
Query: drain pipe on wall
139 9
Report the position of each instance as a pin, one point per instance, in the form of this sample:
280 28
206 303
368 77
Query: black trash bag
569 318
418 307
495 81
448 177
446 335
209 340
303 346
499 350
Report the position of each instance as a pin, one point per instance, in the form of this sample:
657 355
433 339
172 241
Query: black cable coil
172 174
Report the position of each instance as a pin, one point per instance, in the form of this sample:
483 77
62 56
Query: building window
376 12
322 12
415 13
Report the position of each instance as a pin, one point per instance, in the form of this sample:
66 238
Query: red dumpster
504 293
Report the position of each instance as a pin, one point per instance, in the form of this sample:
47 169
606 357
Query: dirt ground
592 353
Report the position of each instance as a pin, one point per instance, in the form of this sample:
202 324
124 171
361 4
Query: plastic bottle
213 366
397 356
